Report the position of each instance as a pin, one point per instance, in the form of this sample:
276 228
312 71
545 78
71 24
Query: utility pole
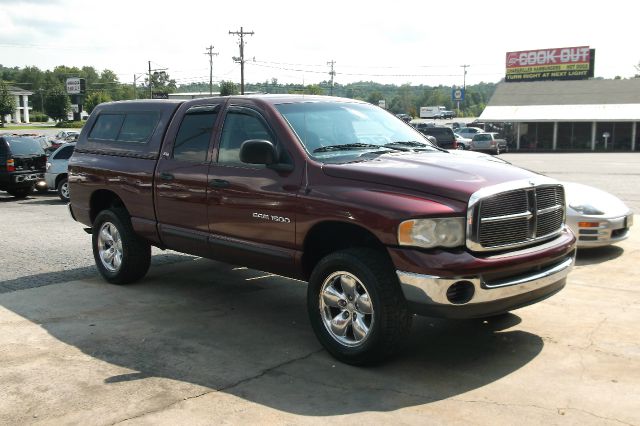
464 76
211 53
332 73
240 59
135 85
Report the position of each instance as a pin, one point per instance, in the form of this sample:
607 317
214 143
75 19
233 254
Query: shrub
38 117
71 124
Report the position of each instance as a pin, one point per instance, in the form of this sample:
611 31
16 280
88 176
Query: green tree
7 102
228 88
94 99
160 81
314 89
56 103
374 97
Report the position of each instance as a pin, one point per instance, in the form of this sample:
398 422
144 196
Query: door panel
181 182
251 208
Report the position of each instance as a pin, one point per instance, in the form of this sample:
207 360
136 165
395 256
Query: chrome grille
516 217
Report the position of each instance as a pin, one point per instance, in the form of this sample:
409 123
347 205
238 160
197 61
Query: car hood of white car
578 194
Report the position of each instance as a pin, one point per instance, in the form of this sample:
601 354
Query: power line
241 33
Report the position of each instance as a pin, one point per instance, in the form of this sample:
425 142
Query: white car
469 132
465 143
56 171
596 217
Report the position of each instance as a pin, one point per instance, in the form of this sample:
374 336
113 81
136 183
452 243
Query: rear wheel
122 257
63 190
356 307
497 151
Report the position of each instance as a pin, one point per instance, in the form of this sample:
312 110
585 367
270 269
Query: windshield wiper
348 146
413 144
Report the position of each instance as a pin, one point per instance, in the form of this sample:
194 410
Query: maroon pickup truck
336 192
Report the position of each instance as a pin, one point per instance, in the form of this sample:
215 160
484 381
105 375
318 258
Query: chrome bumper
432 290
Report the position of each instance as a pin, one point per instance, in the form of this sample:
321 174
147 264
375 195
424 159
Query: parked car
404 117
422 126
465 143
63 134
22 164
596 217
56 171
447 114
490 141
444 135
469 132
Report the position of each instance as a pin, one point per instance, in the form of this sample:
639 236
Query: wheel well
327 237
102 200
59 178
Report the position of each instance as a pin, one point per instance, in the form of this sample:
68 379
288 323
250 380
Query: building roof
18 91
581 100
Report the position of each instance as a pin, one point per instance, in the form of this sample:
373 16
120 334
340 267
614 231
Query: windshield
24 146
342 132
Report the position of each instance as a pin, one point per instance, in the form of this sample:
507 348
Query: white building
581 115
21 113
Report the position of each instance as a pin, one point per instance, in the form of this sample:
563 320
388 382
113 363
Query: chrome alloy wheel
110 247
64 190
346 309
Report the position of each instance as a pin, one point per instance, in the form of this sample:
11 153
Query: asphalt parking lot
202 342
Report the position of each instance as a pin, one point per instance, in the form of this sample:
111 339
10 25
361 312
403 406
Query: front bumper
597 231
468 297
464 284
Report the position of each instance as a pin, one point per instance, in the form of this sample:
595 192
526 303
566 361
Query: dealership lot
203 342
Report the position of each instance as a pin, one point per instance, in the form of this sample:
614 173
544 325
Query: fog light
460 292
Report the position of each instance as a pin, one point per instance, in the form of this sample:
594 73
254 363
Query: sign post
457 95
76 87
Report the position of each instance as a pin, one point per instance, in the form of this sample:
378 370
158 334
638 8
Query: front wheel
63 190
122 257
356 307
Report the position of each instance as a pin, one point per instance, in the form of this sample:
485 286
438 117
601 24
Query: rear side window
124 127
192 140
64 153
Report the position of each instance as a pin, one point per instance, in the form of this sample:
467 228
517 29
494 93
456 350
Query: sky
416 42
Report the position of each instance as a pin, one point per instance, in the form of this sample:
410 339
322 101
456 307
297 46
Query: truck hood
436 173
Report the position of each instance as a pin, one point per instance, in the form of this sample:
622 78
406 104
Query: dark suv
444 135
22 164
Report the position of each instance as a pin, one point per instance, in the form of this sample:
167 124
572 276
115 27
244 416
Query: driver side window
240 125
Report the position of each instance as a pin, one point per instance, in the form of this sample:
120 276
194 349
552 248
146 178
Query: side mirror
258 151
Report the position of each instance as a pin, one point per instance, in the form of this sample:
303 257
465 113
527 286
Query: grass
27 127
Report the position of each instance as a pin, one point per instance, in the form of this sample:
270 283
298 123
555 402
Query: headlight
586 208
428 233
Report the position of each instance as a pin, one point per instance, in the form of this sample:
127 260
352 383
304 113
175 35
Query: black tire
63 190
390 320
497 151
20 192
135 253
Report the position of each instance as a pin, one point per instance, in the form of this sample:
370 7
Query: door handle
166 176
219 183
